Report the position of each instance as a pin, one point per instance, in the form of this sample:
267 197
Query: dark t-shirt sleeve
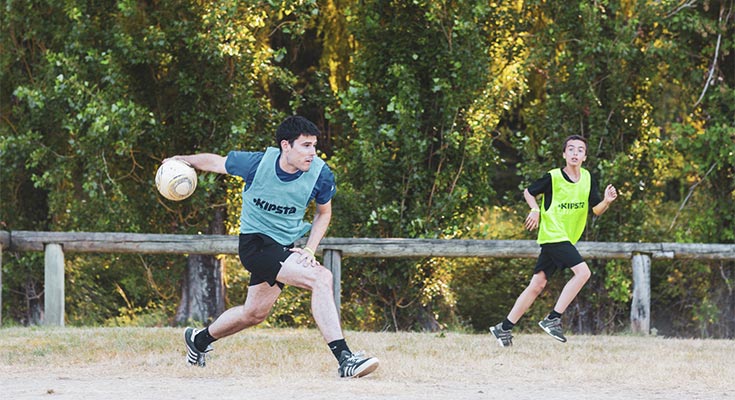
595 198
325 187
541 185
243 163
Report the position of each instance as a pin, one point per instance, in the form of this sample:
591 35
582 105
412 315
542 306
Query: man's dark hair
293 127
574 137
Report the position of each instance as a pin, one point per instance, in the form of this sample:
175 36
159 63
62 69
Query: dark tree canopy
436 115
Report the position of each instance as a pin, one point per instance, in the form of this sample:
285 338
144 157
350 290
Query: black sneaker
504 337
553 328
193 355
355 365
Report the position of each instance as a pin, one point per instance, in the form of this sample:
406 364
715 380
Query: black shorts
556 256
262 257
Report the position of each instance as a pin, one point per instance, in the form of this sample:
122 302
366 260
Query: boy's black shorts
557 256
262 257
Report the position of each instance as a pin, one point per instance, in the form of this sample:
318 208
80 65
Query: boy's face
575 152
299 156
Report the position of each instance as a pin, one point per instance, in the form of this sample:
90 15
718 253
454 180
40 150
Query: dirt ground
293 364
97 384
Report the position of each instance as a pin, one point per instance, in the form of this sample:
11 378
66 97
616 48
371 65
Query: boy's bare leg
571 289
258 304
319 280
527 297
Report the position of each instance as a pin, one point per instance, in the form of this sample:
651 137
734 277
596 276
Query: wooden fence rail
54 244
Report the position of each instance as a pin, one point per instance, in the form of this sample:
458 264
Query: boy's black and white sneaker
193 355
553 328
504 337
355 365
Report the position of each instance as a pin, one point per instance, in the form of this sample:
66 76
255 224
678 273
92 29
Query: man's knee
538 283
323 277
305 276
252 317
582 271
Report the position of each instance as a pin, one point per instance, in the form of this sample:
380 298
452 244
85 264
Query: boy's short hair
575 137
293 127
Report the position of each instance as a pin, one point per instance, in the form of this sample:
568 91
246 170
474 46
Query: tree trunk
202 288
34 304
426 320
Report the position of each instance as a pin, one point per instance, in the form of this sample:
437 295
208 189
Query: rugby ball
176 180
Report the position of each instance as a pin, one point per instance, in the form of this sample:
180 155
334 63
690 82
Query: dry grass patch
91 363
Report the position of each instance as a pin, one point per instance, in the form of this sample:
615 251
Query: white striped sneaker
193 355
505 338
355 365
553 328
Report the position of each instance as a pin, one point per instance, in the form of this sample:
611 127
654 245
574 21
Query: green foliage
293 308
487 289
435 114
417 163
618 282
627 76
693 299
99 96
22 287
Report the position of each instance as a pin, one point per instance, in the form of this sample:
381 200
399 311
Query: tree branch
717 53
691 191
683 5
711 71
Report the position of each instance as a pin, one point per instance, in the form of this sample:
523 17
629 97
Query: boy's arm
204 162
610 195
533 217
319 227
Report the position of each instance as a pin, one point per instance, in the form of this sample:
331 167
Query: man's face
298 157
575 152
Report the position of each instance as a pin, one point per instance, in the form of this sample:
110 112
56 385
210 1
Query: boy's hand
306 257
610 193
532 220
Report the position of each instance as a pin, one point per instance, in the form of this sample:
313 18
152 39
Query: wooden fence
54 244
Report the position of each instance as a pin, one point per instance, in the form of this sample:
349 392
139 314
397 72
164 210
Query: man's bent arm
610 195
320 224
205 162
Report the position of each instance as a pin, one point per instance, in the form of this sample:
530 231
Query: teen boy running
568 193
279 184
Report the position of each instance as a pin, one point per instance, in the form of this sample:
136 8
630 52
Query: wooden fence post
640 309
53 294
333 262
